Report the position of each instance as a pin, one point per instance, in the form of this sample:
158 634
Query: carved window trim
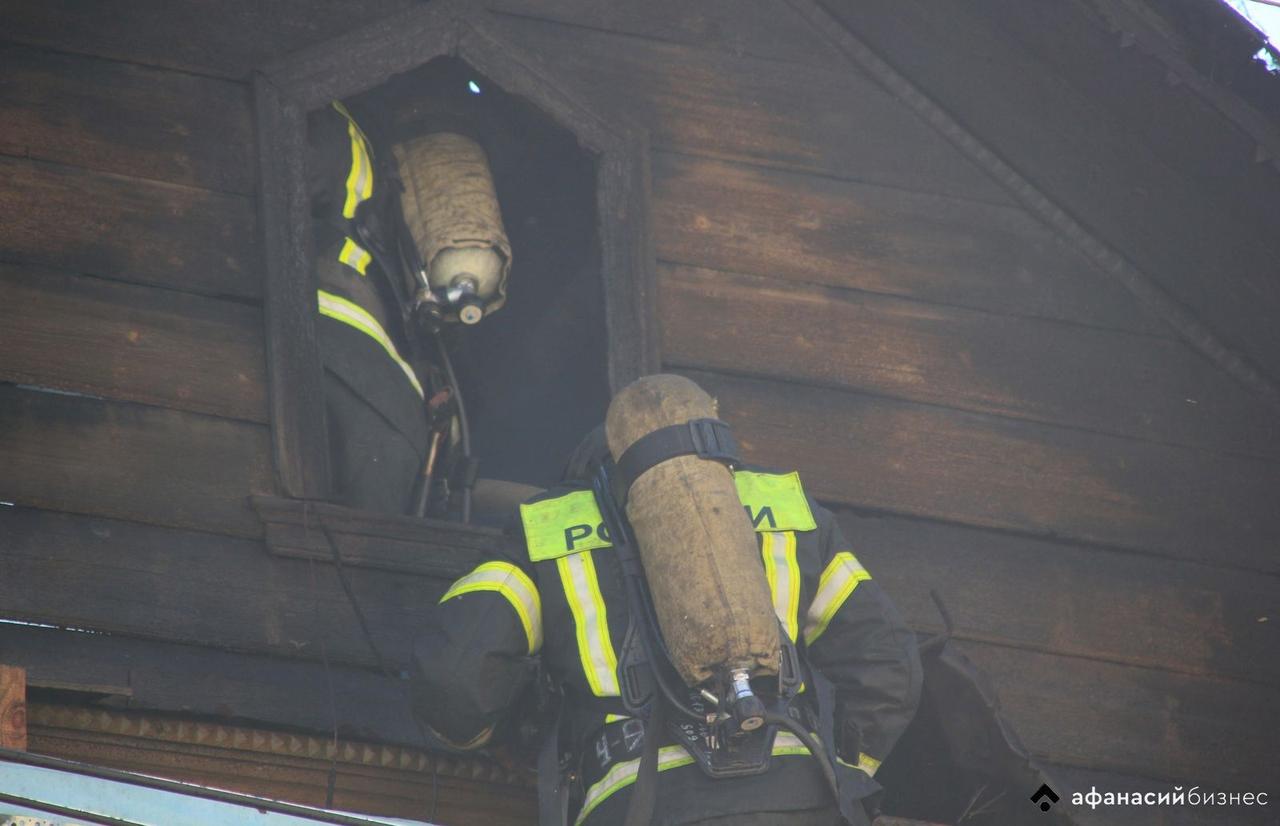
284 91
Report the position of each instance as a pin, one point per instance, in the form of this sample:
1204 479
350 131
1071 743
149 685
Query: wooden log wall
992 417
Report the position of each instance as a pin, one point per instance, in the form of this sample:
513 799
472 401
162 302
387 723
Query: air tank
451 209
696 543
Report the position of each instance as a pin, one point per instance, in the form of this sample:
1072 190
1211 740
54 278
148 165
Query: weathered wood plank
131 343
1082 601
1054 597
765 28
815 230
425 547
80 454
196 588
189 679
872 452
296 389
1128 385
126 119
1209 254
224 39
834 122
13 707
128 229
1118 718
1179 125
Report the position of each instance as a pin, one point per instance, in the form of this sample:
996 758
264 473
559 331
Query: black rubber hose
813 745
660 677
463 425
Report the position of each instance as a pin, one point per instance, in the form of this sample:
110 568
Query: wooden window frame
286 90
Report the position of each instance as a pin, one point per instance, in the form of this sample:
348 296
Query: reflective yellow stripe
624 774
782 569
866 763
354 256
842 575
786 743
360 178
582 589
340 309
512 583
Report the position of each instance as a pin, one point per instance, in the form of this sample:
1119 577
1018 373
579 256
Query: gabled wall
994 418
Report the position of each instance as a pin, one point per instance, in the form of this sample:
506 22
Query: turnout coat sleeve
477 652
856 637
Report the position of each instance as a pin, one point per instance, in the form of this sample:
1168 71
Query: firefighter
565 616
393 187
374 395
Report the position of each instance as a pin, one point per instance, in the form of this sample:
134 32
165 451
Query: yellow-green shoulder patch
567 524
774 501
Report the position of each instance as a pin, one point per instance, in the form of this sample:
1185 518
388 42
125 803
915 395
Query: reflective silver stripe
351 314
782 569
595 647
842 575
787 743
512 583
355 256
624 774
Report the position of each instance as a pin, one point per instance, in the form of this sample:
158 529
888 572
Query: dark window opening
534 374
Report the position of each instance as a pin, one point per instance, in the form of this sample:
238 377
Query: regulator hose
814 746
463 424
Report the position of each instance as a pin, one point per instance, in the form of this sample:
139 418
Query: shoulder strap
704 438
644 795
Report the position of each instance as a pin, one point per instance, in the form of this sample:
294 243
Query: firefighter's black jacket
374 387
569 608
374 411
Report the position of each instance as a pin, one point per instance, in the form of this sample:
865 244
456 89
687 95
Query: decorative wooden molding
46 719
426 547
285 90
1106 258
13 708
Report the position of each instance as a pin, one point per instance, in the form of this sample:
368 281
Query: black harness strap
553 785
704 438
644 794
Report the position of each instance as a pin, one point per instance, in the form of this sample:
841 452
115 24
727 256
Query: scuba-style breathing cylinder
696 542
451 212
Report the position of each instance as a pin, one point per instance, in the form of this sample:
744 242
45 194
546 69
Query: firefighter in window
408 243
